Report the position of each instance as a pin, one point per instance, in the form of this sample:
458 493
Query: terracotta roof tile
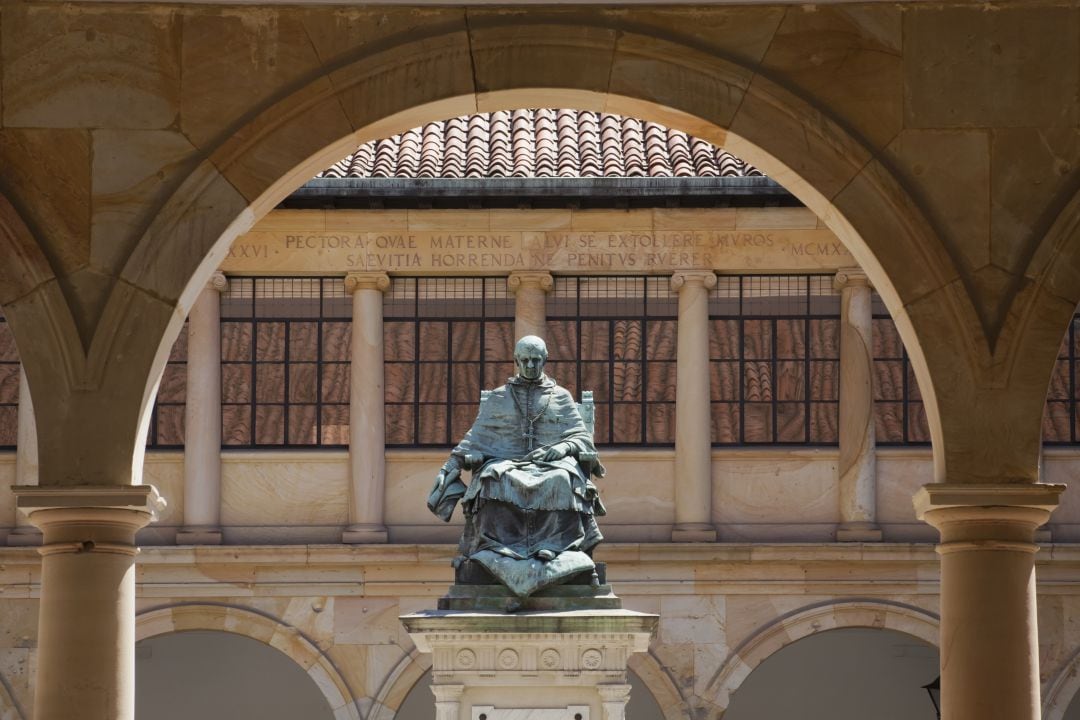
540 143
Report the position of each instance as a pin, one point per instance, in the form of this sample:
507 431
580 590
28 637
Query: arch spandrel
386 84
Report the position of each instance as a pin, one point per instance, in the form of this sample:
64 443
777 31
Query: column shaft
857 471
367 429
26 463
989 630
86 621
202 420
693 421
530 308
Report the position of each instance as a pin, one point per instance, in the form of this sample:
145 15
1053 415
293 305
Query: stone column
202 420
530 309
447 701
26 463
367 429
614 699
86 621
989 630
857 468
693 420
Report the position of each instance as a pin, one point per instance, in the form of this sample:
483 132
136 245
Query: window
446 339
899 415
617 336
9 387
285 362
774 352
1059 418
167 420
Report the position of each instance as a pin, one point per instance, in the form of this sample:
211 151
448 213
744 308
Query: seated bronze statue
531 505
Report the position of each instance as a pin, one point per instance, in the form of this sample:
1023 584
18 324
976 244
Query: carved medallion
550 658
508 659
466 658
591 659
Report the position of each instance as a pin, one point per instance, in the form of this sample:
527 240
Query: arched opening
217 675
419 704
842 674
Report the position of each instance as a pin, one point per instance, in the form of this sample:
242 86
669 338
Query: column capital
986 516
530 279
218 282
613 693
685 278
367 281
447 693
850 277
83 519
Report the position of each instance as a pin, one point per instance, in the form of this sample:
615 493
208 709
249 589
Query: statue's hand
549 454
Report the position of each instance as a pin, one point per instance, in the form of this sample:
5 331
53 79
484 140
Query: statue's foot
545 555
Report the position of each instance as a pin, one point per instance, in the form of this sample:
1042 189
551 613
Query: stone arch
798 624
508 61
658 681
1062 689
266 629
388 698
10 709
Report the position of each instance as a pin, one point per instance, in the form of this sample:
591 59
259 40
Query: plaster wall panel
165 471
773 487
58 67
284 491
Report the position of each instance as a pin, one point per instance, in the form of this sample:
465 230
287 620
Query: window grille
774 359
446 339
285 362
617 336
1059 417
9 387
167 419
899 414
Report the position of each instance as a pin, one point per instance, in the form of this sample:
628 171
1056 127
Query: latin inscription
533 250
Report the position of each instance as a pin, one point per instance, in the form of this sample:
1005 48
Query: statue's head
530 355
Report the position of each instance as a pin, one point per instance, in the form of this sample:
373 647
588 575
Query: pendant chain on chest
528 424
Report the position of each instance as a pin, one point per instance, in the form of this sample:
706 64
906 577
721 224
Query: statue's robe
515 508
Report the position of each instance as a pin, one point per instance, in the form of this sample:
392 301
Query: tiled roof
539 143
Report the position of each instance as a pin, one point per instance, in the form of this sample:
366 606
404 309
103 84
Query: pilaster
857 469
693 421
530 308
367 429
202 419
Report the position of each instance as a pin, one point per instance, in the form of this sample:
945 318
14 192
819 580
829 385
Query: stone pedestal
531 666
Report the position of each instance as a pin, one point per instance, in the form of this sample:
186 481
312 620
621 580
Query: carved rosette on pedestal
534 666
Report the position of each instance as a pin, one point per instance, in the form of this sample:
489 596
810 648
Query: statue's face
530 362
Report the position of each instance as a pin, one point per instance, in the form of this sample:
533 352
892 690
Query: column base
364 534
858 532
198 536
693 533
